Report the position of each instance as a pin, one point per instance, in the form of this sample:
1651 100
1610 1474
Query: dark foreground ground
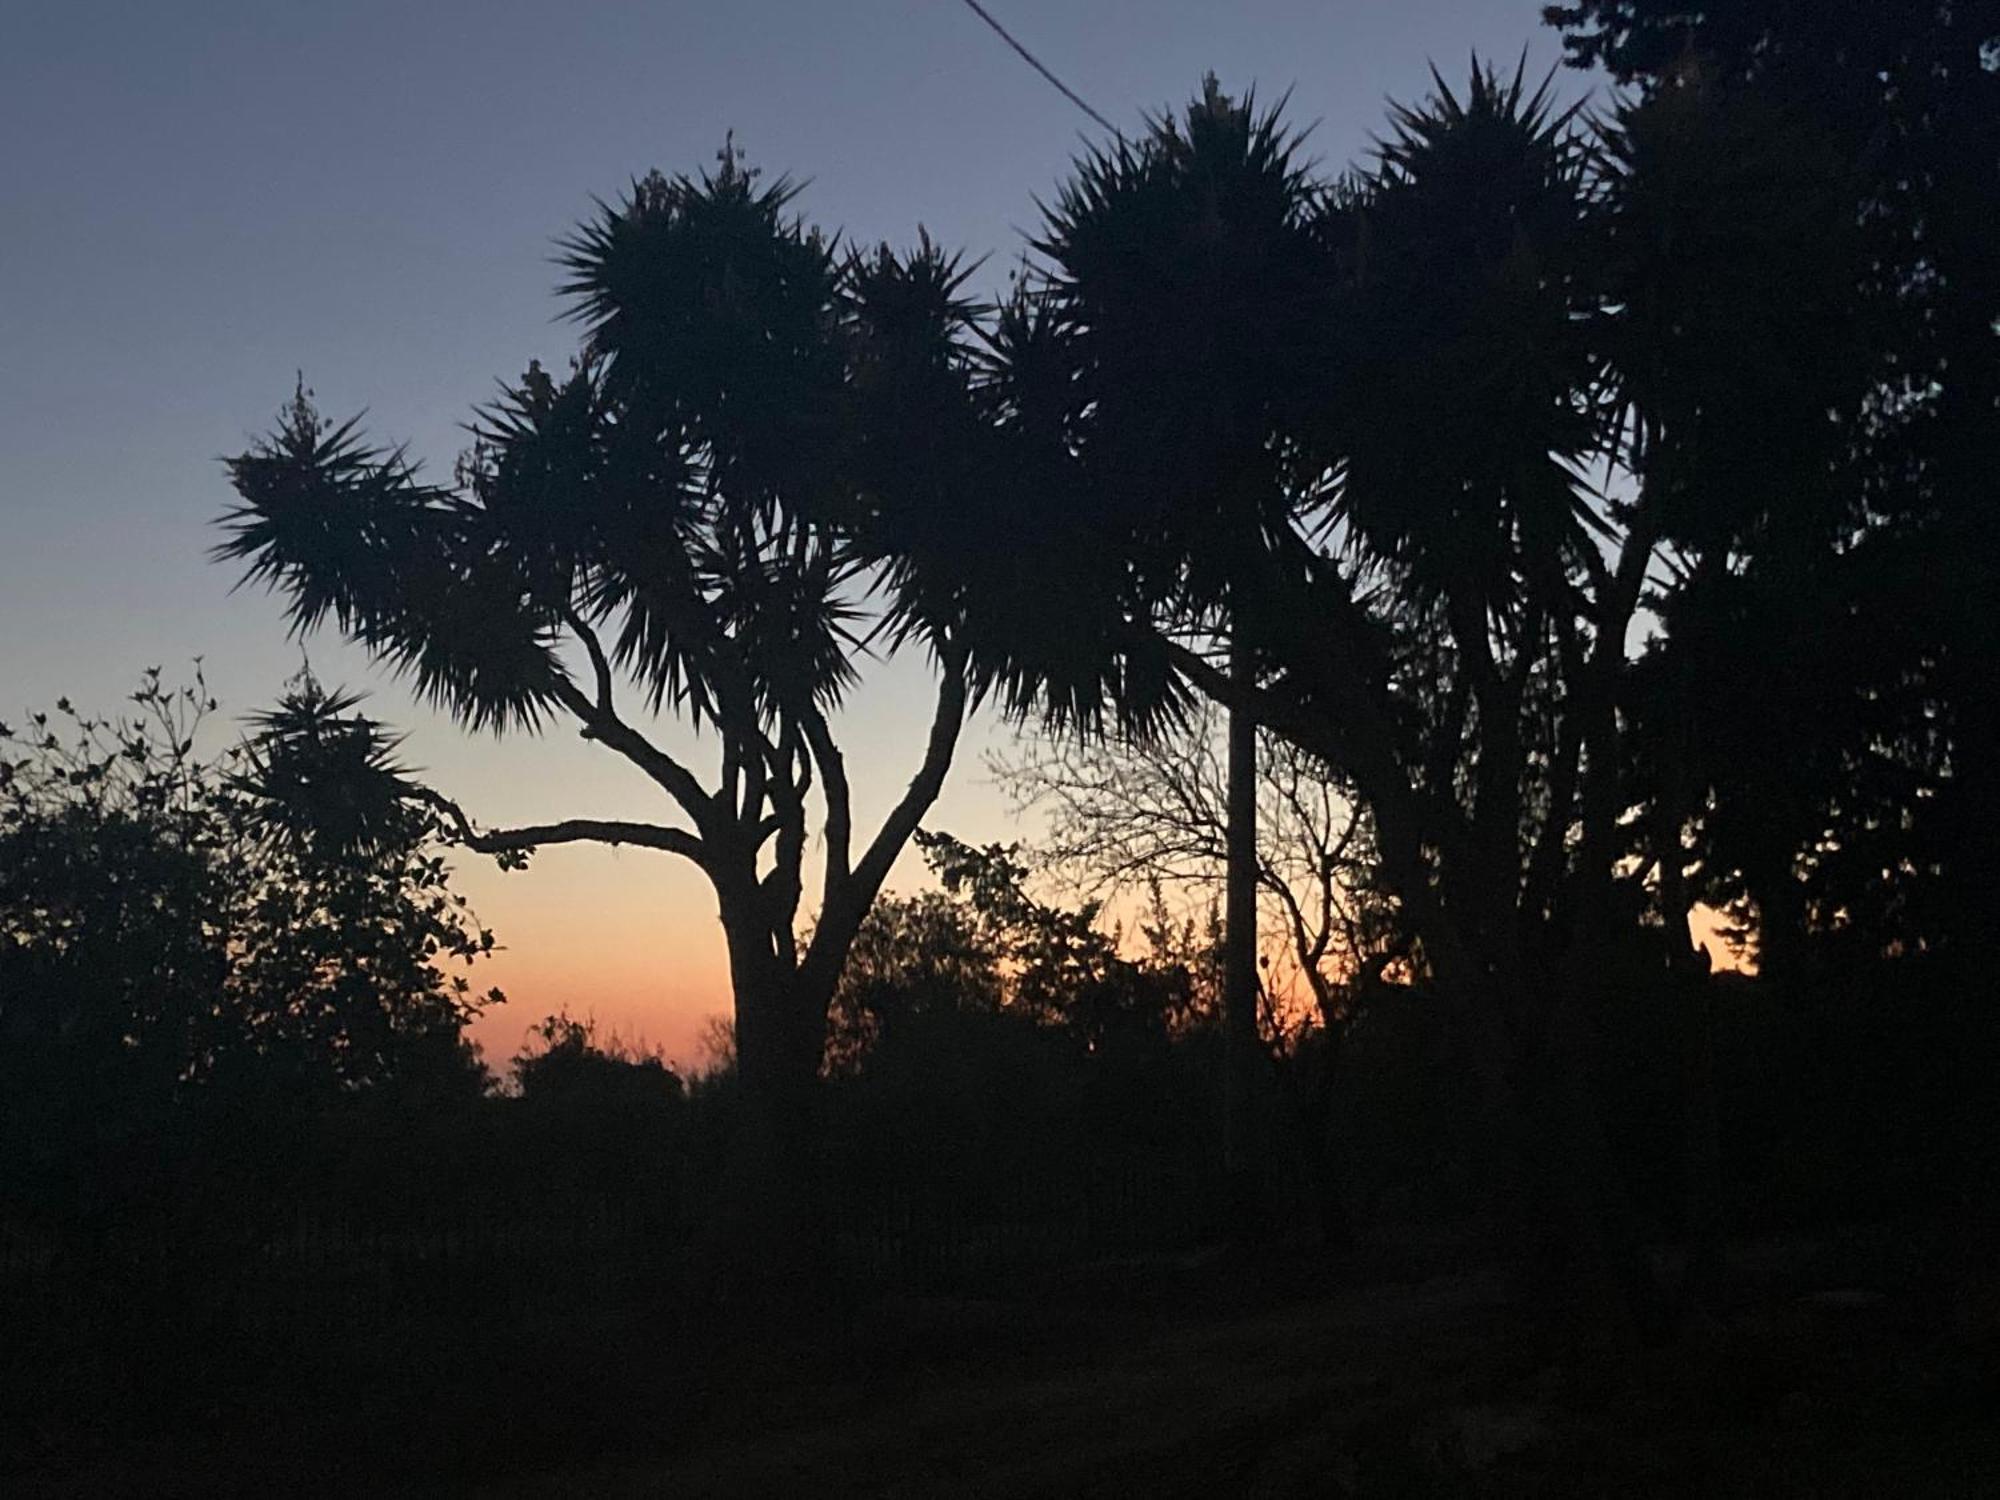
1845 1367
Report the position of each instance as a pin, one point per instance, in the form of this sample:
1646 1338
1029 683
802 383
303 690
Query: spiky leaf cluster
693 499
1459 419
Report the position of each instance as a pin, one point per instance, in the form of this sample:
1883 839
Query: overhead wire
1040 67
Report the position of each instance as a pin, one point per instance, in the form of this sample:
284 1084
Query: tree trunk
1241 1051
763 1241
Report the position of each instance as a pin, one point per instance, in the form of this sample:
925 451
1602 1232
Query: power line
1036 63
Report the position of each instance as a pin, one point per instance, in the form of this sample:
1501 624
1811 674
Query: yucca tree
1363 426
1158 344
1131 385
1346 419
675 527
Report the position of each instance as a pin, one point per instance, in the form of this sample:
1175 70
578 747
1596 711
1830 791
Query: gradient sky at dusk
201 198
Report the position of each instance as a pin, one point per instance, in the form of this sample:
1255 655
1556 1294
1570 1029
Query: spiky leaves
715 318
976 520
695 491
1183 270
1132 386
320 780
411 571
1461 419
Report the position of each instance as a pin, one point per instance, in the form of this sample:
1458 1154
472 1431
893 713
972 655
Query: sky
203 200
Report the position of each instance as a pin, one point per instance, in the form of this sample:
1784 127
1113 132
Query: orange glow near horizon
627 939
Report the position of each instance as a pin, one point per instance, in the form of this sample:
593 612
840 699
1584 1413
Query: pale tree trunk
1241 1050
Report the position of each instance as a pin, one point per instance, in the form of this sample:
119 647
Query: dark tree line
1474 561
1871 785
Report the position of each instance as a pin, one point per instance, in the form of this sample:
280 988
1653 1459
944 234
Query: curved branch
600 665
839 830
847 899
606 727
924 786
569 831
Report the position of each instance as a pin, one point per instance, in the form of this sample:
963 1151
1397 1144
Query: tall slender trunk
1239 965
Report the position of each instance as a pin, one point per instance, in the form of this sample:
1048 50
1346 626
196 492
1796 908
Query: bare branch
783 885
848 896
924 786
600 665
833 783
569 831
607 728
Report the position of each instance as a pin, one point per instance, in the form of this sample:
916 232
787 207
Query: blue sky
199 199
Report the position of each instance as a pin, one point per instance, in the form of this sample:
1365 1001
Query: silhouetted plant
199 956
1864 821
1369 416
209 906
1147 814
687 508
568 1061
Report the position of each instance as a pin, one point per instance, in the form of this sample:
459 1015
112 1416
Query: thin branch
839 831
569 831
676 779
599 664
847 900
924 786
783 885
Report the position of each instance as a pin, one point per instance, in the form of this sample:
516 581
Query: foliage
567 1060
1444 440
175 925
1061 966
913 955
688 509
1867 821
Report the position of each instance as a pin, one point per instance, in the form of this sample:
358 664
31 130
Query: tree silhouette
689 508
212 909
1434 435
1062 967
1172 302
913 955
1882 831
1133 814
199 958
